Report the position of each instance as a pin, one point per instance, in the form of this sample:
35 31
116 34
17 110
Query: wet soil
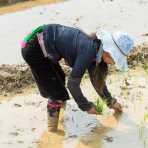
113 131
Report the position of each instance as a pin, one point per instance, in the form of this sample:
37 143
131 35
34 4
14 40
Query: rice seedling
142 129
145 66
100 106
141 98
146 116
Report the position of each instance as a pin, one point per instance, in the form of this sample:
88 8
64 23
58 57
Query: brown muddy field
113 131
6 8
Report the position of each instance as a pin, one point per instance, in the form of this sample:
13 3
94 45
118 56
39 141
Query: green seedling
146 68
146 116
141 99
141 130
142 134
100 105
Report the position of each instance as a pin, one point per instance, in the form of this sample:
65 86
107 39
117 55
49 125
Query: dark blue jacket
79 51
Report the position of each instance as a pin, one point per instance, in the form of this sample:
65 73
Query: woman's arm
74 81
98 75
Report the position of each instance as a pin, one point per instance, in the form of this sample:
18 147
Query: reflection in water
94 140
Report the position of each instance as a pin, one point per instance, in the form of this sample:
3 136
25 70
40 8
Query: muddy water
130 128
125 130
93 140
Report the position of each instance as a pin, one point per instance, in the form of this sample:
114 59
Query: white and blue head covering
118 45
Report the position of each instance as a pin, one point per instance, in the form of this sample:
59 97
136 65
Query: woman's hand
92 110
117 107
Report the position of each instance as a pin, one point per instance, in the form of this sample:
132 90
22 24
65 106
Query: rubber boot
53 110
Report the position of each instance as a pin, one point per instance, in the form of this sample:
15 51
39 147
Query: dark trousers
49 76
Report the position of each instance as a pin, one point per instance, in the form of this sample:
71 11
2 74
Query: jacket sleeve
101 89
74 81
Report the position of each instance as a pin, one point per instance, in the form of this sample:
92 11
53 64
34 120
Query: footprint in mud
8 143
17 105
33 129
20 130
20 142
37 104
109 139
17 132
14 133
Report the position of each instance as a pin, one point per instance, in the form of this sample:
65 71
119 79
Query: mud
29 129
14 79
108 131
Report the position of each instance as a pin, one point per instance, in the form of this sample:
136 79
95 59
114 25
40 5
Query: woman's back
69 42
